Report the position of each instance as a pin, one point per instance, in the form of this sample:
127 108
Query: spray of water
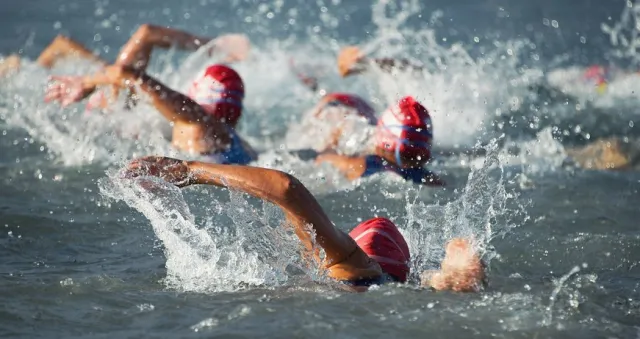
236 244
624 35
484 210
463 93
71 135
621 89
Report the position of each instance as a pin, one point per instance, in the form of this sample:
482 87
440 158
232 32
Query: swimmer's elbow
143 31
287 187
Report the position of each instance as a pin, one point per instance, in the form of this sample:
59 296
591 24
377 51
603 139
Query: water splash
238 245
559 284
72 136
462 92
484 210
542 154
624 35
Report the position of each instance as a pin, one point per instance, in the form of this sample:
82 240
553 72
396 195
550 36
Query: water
88 254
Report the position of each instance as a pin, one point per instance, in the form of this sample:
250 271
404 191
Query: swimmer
136 53
203 122
352 61
601 76
597 75
334 115
403 146
373 253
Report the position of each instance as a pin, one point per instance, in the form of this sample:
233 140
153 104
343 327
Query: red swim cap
220 91
353 101
597 74
406 130
380 239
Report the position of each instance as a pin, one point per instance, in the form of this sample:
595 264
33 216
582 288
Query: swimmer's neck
198 139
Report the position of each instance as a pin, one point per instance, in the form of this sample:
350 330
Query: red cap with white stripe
381 240
405 129
220 91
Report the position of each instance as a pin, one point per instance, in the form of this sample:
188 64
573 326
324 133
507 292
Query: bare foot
9 64
461 270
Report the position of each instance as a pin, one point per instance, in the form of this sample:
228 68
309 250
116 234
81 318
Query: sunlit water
87 253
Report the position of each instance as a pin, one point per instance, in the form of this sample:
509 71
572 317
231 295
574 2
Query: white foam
481 213
236 245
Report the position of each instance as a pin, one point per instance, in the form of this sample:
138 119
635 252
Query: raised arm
63 47
137 51
344 259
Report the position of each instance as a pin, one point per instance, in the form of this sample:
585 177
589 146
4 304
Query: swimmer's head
381 240
353 102
220 91
404 133
596 74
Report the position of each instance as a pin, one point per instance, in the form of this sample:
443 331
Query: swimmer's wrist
193 172
88 84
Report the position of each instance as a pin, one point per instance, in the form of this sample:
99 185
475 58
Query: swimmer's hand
67 90
351 61
461 270
70 89
171 170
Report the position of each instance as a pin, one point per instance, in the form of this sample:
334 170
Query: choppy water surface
89 254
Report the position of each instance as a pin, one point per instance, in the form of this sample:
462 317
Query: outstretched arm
352 61
344 259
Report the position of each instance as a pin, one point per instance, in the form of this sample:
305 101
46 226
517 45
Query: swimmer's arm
137 51
298 204
62 47
352 61
389 64
282 189
351 167
173 105
386 65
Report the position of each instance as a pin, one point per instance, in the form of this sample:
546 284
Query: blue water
86 255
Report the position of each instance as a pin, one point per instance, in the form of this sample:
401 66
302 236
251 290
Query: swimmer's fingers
53 93
65 89
56 92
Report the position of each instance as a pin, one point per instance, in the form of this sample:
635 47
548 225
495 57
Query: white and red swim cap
597 74
220 91
405 129
381 240
352 101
